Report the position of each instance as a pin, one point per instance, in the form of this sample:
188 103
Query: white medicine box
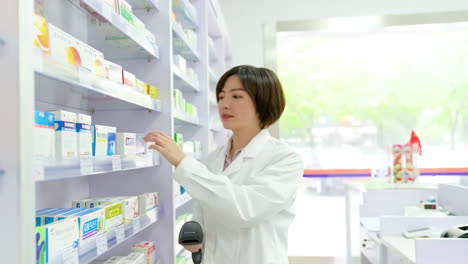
85 139
65 134
99 134
44 134
126 144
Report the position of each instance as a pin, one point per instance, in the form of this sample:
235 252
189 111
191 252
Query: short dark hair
265 89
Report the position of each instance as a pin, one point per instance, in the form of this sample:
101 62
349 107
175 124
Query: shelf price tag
86 164
136 225
120 233
116 163
101 243
70 256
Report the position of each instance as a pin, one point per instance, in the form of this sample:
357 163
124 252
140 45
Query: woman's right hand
193 248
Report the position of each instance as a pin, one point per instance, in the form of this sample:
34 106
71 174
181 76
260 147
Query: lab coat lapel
250 151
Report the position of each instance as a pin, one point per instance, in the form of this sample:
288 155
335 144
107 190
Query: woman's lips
226 116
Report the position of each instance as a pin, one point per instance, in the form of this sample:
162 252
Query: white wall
245 18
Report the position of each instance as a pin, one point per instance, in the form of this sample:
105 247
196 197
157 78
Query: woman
246 190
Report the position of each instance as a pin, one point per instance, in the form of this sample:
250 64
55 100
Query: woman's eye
237 96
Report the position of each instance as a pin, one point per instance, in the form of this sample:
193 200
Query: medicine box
115 260
44 134
126 11
99 134
62 236
92 59
65 134
90 221
113 4
126 144
63 47
85 139
41 245
52 216
111 138
115 71
152 91
128 79
136 258
181 63
130 207
140 86
41 34
40 213
148 249
147 202
80 203
113 215
141 144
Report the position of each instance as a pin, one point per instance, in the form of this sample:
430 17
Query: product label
113 211
130 141
84 128
65 126
101 137
111 143
90 228
44 119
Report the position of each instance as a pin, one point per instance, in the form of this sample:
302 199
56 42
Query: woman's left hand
166 146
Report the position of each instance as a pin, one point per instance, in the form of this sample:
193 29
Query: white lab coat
246 210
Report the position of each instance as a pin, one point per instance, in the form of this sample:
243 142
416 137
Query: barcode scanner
191 233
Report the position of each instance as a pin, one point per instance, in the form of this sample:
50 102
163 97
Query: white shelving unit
34 83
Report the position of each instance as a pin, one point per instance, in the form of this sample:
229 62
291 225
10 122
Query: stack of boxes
128 19
67 50
141 253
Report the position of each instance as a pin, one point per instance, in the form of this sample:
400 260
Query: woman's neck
242 137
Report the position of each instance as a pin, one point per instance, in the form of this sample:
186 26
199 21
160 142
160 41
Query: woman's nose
224 104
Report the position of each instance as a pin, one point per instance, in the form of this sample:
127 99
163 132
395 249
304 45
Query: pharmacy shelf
144 4
213 102
182 82
58 84
88 250
212 51
181 200
142 47
214 29
213 78
181 121
46 170
182 47
182 9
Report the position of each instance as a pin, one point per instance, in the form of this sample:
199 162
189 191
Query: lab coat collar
252 149
256 144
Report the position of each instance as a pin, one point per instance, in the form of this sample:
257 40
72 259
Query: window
351 95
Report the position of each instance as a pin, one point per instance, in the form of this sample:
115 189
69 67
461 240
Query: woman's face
235 107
